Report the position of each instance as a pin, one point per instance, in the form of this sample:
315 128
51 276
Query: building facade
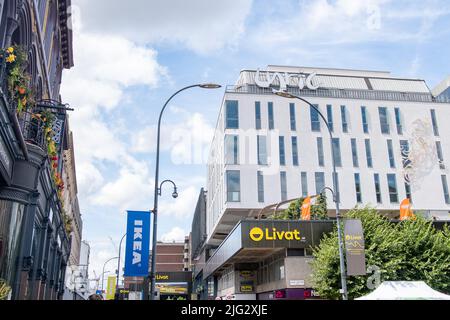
35 243
390 142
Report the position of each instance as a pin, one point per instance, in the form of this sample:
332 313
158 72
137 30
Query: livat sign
284 79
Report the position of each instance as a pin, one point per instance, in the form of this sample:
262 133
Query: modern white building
391 142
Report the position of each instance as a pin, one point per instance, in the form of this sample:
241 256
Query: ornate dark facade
34 237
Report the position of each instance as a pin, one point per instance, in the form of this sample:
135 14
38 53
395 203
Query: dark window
330 117
384 120
365 123
271 116
355 153
262 150
320 152
358 188
283 183
232 114
233 186
292 116
408 191
315 120
337 152
391 153
260 187
304 178
398 121
282 152
258 115
440 155
344 119
378 188
392 184
445 188
320 182
404 149
369 154
294 151
231 149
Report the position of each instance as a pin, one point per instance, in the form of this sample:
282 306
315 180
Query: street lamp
155 199
288 95
103 271
118 267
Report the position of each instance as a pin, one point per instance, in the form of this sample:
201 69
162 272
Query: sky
131 56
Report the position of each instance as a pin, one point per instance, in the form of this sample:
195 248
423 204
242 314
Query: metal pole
335 199
103 274
118 267
155 204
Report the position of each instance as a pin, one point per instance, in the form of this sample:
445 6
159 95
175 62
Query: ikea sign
137 244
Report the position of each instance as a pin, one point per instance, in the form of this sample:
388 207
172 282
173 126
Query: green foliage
4 290
293 212
408 251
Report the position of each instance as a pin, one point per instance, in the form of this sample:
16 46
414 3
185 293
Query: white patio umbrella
405 290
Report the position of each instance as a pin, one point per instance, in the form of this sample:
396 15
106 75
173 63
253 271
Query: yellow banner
111 288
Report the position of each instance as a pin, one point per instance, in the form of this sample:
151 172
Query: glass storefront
11 217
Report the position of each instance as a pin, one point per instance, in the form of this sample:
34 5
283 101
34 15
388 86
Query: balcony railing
344 94
33 130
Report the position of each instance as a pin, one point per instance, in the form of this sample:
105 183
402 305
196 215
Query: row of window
232 118
233 179
232 151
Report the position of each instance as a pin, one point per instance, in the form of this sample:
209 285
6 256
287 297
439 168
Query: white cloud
201 25
176 234
184 205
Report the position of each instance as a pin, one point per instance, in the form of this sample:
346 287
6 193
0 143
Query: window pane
294 151
364 119
320 152
440 155
282 152
232 114
355 153
283 186
392 184
320 182
391 154
398 120
304 184
408 191
404 149
262 150
445 188
368 154
233 186
258 115
292 115
358 188
337 152
271 116
330 117
260 187
344 119
315 120
384 121
231 149
378 188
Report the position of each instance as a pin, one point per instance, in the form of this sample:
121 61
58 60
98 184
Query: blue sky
131 56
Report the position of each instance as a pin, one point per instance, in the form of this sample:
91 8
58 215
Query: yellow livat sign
257 234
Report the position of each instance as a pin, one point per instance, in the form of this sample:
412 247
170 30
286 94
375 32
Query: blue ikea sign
138 244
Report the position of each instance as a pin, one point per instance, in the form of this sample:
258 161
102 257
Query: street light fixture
103 271
118 267
156 194
285 94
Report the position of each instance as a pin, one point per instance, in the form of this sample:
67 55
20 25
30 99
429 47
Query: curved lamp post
157 190
288 95
118 267
103 271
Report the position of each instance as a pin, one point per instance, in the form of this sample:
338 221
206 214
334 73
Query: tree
293 212
408 251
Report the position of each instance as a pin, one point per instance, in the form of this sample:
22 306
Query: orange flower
22 90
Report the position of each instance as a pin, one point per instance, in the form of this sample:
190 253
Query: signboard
354 247
283 234
111 288
295 283
302 80
137 244
172 288
173 277
246 287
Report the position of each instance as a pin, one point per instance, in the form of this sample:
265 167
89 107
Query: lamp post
103 271
288 95
118 267
155 199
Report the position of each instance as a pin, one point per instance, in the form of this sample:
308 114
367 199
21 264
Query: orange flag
405 210
306 209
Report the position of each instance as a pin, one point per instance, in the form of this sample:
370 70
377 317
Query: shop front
174 285
266 260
